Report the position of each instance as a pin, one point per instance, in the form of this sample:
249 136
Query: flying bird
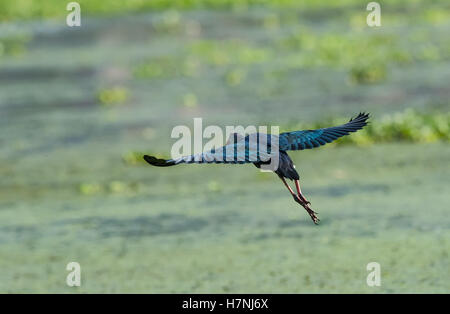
240 150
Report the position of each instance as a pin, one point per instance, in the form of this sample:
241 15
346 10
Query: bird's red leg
301 201
306 204
299 192
287 185
296 198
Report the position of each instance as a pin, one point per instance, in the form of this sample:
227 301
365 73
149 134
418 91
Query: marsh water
75 102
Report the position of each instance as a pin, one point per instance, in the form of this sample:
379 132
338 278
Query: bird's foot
313 215
306 201
308 209
300 198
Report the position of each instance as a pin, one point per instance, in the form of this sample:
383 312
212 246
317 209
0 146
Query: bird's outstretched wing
298 140
241 151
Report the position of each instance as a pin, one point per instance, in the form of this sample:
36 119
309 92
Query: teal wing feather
306 139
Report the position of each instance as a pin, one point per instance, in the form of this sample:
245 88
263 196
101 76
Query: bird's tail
159 162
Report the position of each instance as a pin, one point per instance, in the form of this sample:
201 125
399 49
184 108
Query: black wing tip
158 162
360 119
362 116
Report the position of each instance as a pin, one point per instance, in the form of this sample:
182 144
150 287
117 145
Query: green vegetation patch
409 126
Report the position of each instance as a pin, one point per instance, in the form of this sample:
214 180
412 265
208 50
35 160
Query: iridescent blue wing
253 148
306 139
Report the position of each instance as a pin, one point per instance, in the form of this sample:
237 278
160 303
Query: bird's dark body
286 168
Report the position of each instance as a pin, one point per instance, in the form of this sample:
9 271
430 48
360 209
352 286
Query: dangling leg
302 202
295 196
311 213
306 204
299 193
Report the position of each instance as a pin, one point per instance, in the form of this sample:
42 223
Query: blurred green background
79 106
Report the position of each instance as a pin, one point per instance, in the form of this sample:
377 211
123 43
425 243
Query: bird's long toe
308 209
313 216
